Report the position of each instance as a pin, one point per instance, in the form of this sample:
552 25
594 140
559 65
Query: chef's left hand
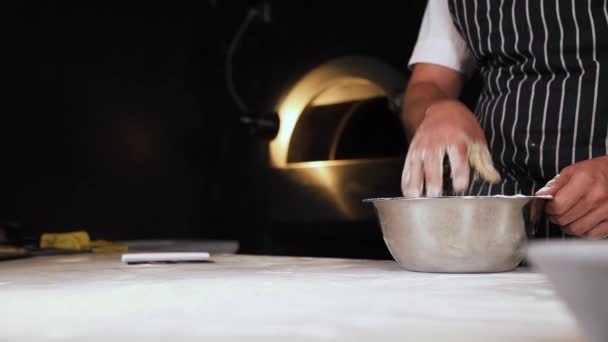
580 199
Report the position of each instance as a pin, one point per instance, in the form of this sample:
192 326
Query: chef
540 123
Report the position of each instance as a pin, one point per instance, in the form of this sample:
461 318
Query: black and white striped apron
544 100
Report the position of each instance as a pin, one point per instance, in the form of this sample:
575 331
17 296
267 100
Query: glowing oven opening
363 128
340 111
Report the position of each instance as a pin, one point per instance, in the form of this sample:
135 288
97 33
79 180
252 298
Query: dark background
116 119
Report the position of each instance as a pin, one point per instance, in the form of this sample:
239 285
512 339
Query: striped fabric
541 104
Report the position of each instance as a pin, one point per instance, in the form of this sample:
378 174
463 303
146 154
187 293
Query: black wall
116 119
101 121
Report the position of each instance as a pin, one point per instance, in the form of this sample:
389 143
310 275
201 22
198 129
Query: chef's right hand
449 128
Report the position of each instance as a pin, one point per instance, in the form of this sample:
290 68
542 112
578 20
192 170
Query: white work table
95 297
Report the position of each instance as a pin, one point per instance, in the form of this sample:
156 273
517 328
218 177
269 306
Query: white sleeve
439 42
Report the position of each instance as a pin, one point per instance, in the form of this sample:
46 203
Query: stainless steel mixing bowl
458 234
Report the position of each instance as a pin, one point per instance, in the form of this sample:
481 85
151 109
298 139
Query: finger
457 154
406 174
583 225
491 175
567 194
598 232
567 230
553 186
580 209
481 161
433 171
412 182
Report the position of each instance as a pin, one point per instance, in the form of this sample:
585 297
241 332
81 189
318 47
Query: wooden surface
97 298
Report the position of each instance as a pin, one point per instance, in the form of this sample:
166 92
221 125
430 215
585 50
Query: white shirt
439 42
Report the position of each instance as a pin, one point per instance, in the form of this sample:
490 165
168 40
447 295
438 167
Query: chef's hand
449 128
580 199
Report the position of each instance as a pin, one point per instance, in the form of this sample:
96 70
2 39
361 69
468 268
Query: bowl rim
493 197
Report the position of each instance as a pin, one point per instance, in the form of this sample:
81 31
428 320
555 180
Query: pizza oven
340 140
